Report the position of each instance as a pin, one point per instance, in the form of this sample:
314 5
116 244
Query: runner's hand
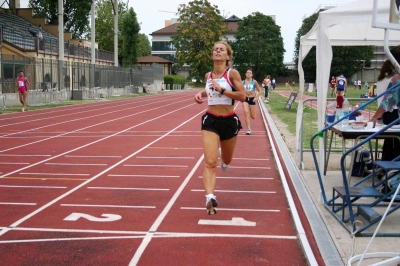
198 98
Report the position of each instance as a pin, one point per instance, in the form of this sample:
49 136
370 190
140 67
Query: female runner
253 92
220 125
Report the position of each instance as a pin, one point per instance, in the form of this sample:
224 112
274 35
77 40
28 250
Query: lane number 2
105 217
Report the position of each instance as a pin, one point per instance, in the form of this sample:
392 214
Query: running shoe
211 204
266 101
248 132
23 110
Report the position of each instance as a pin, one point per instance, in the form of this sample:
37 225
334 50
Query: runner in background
266 85
253 92
220 125
22 84
333 85
341 87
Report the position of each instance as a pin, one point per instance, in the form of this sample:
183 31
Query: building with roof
150 60
161 39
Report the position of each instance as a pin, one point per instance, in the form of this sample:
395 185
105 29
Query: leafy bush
174 79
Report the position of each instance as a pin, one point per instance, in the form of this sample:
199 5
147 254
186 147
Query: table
348 133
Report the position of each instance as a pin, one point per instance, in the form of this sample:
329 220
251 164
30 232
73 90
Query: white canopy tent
346 25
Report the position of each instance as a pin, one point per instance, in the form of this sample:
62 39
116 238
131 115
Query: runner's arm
240 93
258 93
198 97
28 84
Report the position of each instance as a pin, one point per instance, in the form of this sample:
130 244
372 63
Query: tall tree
144 46
200 27
105 25
76 14
130 36
347 60
259 45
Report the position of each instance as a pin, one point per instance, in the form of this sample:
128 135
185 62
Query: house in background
150 60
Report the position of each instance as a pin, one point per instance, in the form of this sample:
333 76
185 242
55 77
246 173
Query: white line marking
130 188
163 214
155 157
236 221
53 174
157 235
108 206
84 164
250 159
162 234
68 239
12 186
91 156
172 176
79 231
13 163
236 191
156 165
23 219
105 217
247 167
244 178
228 209
77 130
18 203
25 155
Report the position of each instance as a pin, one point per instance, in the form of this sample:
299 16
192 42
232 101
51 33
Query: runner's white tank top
216 98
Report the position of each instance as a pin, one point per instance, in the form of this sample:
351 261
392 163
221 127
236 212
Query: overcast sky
289 13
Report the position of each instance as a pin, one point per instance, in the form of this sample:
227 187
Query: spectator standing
333 86
30 29
273 83
359 84
366 85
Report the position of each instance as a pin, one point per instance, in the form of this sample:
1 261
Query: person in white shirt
359 84
220 124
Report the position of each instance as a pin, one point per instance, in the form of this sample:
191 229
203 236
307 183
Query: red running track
119 182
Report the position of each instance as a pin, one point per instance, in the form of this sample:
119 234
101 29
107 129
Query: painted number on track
105 217
236 221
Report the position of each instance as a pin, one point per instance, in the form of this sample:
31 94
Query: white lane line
79 231
92 156
227 209
237 191
157 235
241 177
155 157
163 214
25 155
61 174
162 234
13 163
82 164
156 165
247 167
168 176
66 133
23 219
18 203
250 159
13 186
108 206
81 112
130 188
145 242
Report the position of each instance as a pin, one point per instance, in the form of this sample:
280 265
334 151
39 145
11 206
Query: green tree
144 46
347 60
259 45
130 36
201 26
105 25
76 14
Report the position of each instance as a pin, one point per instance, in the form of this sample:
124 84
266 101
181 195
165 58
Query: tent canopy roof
350 25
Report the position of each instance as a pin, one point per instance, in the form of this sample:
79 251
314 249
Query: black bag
362 163
389 117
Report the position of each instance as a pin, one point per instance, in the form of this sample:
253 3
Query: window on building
162 46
